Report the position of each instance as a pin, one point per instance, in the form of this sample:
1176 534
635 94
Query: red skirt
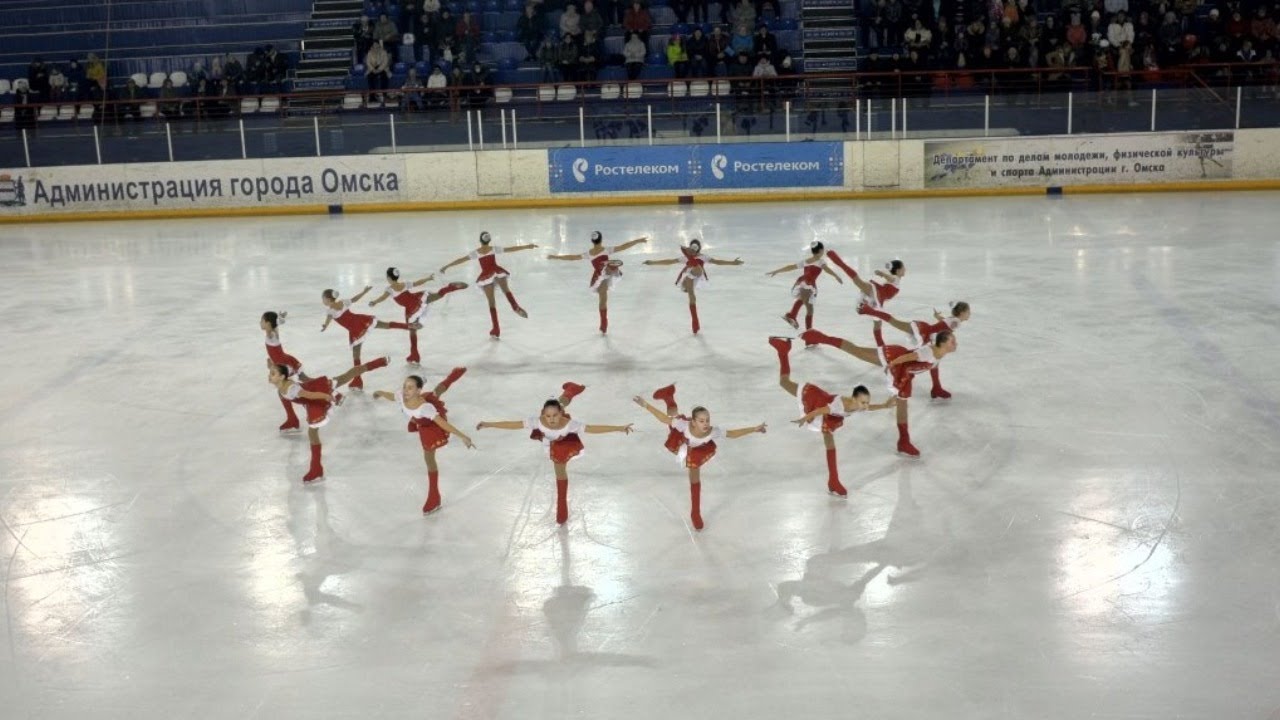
433 436
692 457
899 376
278 356
488 275
412 304
317 410
357 325
566 449
813 397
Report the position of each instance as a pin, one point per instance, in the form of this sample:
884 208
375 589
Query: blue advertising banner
697 167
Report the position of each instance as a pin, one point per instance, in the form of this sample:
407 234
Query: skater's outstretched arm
374 302
447 427
670 261
501 425
743 432
311 395
629 244
361 294
812 415
827 269
384 395
909 357
455 263
327 319
518 248
662 417
784 268
565 257
735 261
423 281
892 402
885 276
602 429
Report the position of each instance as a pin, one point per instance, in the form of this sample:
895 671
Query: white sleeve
400 397
473 255
717 433
576 426
292 392
427 411
836 408
531 423
679 424
497 250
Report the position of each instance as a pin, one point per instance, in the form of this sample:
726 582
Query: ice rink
1090 533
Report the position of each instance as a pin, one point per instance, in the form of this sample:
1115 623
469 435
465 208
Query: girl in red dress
900 365
491 273
428 417
414 303
805 288
692 439
356 324
922 332
605 271
824 412
693 275
879 291
317 395
559 432
270 324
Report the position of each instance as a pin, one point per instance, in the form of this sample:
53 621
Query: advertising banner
1093 159
697 167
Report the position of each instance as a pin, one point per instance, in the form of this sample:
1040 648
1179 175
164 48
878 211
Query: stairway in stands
829 34
325 59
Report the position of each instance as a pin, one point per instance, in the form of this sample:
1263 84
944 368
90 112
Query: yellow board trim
638 200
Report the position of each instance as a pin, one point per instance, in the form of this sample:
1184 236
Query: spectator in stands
362 36
38 79
942 48
95 71
918 37
408 16
681 10
132 97
764 43
255 71
744 13
743 41
894 20
529 32
234 74
24 115
277 68
1120 31
437 94
638 21
216 73
764 69
787 84
1263 28
386 32
467 34
677 57
719 49
571 23
430 8
549 59
1169 35
589 59
567 58
698 50
418 24
1124 70
1050 31
592 20
377 68
743 86
57 84
1076 33
170 105
75 79
411 92
633 53
480 86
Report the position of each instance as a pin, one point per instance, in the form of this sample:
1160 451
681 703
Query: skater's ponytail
959 307
861 391
942 338
893 266
596 237
416 380
329 295
485 238
393 274
272 318
695 242
815 247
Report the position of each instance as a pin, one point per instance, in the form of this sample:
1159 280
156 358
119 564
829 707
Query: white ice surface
1091 532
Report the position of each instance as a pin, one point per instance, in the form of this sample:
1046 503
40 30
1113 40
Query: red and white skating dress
356 324
410 300
277 355
564 444
317 410
922 332
690 451
811 398
490 270
810 271
692 261
422 420
885 290
602 272
900 376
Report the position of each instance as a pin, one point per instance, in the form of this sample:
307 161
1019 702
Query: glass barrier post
1153 109
904 118
168 136
857 119
26 148
893 119
648 111
315 123
502 116
515 135
479 129
97 144
244 150
717 123
1239 93
986 116
392 118
788 118
470 143
582 126
1070 110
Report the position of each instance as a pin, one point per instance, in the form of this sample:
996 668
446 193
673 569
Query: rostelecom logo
580 169
718 164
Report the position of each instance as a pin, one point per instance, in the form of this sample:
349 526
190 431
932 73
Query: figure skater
428 417
693 275
559 433
692 439
270 324
824 412
877 292
605 271
900 365
492 273
414 303
805 288
356 324
317 395
922 332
